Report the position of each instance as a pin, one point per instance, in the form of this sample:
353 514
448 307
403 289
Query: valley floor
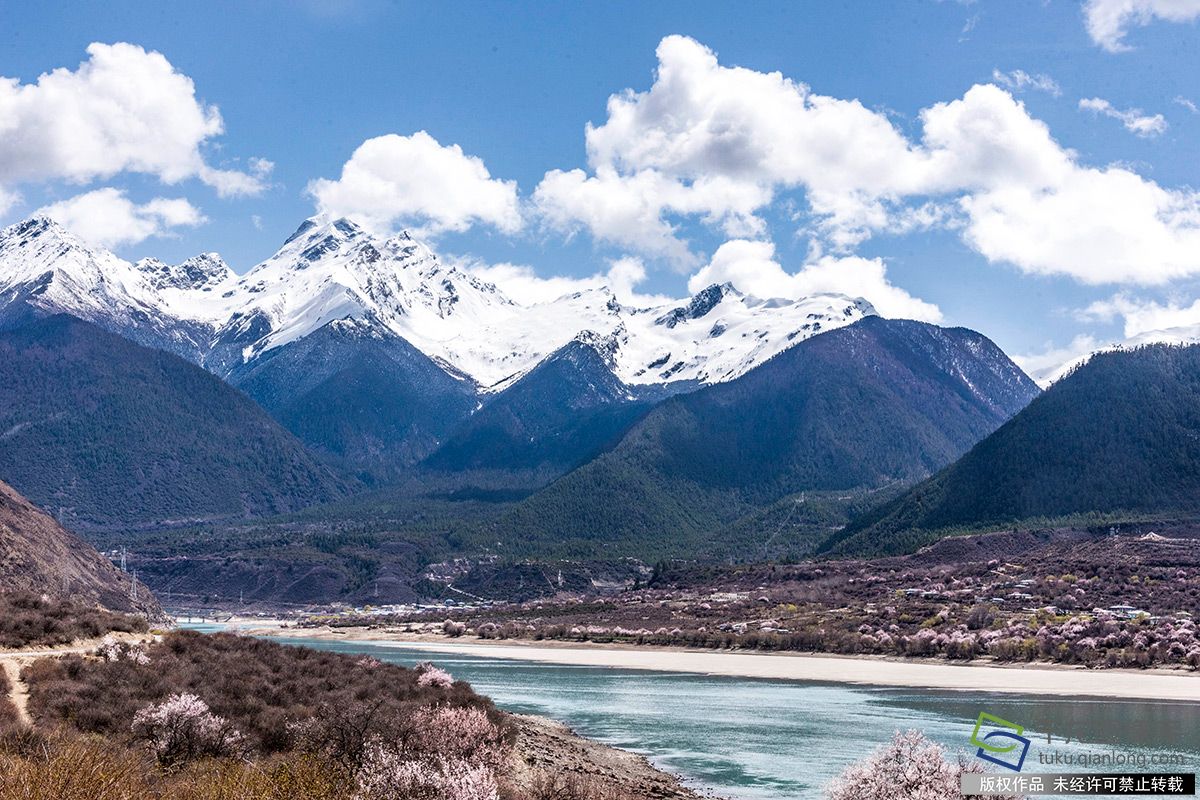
976 676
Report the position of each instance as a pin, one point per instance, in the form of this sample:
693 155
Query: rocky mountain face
556 416
378 364
362 396
39 555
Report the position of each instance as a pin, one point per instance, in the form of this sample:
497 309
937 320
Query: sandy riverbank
1062 681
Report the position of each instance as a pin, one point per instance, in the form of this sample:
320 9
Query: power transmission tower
133 588
123 568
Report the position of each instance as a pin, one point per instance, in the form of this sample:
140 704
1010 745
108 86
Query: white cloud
1109 20
1142 322
1018 80
1053 362
721 144
716 142
106 217
1096 226
418 182
629 210
751 267
1143 318
1135 120
522 282
8 199
1180 100
624 276
123 110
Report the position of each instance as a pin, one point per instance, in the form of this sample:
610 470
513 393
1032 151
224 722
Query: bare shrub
560 786
27 619
64 766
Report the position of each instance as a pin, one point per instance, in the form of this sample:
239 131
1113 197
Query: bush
909 768
429 675
8 712
32 619
565 786
265 690
182 729
388 775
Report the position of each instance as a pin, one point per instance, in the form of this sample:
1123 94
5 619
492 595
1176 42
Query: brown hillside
37 554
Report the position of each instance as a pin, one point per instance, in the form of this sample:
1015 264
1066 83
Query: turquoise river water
765 740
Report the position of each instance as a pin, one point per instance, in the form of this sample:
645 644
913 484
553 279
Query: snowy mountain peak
606 345
36 245
203 272
703 302
45 266
336 271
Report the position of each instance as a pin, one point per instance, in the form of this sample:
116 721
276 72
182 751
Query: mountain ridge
852 409
333 270
103 432
1120 433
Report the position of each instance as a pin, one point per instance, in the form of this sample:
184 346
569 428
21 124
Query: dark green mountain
1119 434
103 432
360 395
560 414
854 409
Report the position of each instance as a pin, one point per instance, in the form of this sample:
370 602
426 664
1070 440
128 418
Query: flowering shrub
387 775
909 768
446 753
429 675
464 733
112 650
181 729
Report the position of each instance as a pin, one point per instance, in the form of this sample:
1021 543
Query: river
766 740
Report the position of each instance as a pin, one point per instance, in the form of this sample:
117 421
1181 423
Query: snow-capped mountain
204 272
335 270
44 269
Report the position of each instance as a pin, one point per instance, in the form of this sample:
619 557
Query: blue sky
303 85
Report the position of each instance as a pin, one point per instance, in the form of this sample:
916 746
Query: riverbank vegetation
1072 597
231 717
